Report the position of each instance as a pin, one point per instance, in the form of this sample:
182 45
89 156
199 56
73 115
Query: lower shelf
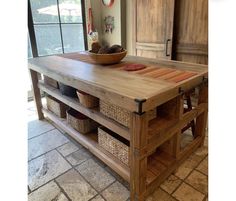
158 163
90 142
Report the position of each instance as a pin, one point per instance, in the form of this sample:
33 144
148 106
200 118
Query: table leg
138 164
201 120
36 93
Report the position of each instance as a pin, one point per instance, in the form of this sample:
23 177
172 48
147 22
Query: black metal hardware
167 41
140 105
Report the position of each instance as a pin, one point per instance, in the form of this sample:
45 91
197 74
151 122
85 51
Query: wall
115 36
129 26
96 9
99 13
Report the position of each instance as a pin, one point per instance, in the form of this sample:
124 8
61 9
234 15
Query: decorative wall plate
108 3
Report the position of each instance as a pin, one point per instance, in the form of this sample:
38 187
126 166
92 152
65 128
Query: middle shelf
93 114
157 128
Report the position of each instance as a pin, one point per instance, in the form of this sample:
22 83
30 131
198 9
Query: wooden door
153 28
191 31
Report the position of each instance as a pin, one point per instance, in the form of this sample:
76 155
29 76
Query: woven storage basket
87 100
50 81
56 106
113 143
67 90
119 114
80 122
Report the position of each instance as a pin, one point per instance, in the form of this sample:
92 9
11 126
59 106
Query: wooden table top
156 84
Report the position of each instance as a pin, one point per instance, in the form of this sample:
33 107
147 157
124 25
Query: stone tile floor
61 169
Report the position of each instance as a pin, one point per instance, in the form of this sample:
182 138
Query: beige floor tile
202 151
199 181
170 184
187 193
75 186
184 169
37 127
44 143
160 195
98 198
203 166
78 157
45 168
116 192
48 192
97 176
68 148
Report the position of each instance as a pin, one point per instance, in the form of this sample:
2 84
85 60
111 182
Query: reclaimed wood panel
191 31
153 32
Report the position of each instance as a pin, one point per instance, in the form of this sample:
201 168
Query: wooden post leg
177 136
36 93
138 162
201 120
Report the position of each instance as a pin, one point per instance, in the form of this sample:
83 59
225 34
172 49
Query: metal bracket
140 105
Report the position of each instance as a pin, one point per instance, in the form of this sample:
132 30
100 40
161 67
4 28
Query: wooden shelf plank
161 130
159 124
158 163
91 113
153 181
89 142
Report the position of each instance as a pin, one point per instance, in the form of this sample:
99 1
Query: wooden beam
36 93
166 134
153 185
202 119
138 165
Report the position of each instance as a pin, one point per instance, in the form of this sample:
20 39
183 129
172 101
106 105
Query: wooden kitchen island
177 90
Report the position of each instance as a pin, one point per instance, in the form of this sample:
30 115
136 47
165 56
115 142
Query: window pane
44 11
73 37
70 11
48 39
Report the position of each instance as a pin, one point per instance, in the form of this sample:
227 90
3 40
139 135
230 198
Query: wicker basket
80 122
87 100
115 144
67 90
119 114
50 81
56 106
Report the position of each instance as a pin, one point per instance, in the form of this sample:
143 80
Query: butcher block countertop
160 81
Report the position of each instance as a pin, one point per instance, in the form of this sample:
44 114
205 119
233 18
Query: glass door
55 27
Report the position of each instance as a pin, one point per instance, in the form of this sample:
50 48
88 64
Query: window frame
31 29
